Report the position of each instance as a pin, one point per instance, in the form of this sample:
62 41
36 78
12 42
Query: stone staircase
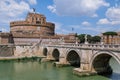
31 51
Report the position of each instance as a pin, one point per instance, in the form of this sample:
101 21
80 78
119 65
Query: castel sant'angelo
33 29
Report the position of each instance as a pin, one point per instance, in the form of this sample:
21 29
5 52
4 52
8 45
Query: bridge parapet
89 46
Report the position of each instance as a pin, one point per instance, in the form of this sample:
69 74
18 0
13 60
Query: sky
70 16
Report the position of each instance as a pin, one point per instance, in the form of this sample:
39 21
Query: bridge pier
80 72
85 66
62 62
84 70
59 64
49 57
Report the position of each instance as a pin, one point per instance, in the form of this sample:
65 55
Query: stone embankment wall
6 50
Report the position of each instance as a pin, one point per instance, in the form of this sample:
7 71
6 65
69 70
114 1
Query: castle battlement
23 23
4 34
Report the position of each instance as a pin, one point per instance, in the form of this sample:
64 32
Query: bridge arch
100 62
45 51
56 54
73 57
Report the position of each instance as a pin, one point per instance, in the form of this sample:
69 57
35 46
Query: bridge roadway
87 58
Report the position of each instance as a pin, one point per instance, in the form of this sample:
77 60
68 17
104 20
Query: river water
46 71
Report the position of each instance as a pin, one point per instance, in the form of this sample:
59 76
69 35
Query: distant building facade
32 29
5 37
111 39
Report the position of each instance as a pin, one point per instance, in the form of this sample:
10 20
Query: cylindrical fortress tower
34 23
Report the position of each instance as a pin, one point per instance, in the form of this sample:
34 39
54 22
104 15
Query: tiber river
46 71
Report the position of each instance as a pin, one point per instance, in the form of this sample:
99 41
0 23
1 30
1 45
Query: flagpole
72 29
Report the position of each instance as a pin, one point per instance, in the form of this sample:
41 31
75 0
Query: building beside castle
111 39
33 29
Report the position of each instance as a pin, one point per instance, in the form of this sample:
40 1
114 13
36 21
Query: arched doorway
56 54
73 58
101 64
45 51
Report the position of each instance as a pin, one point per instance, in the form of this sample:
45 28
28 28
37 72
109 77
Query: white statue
86 42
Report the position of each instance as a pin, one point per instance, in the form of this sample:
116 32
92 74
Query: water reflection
116 69
115 76
44 71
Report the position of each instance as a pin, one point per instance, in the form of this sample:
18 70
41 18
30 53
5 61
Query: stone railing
89 46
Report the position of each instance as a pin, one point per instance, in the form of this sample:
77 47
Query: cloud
32 2
113 13
93 29
103 21
52 8
85 23
77 7
112 17
99 29
11 10
80 29
59 28
3 30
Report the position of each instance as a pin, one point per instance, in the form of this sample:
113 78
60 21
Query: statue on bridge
86 39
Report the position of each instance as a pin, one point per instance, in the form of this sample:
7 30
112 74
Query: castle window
37 22
32 19
38 19
43 21
38 28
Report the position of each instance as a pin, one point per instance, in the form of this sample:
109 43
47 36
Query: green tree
81 37
76 35
89 37
110 33
95 39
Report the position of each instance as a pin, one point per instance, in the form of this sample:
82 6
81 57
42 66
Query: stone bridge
88 58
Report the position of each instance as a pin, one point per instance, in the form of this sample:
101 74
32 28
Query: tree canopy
90 39
95 39
81 37
110 33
